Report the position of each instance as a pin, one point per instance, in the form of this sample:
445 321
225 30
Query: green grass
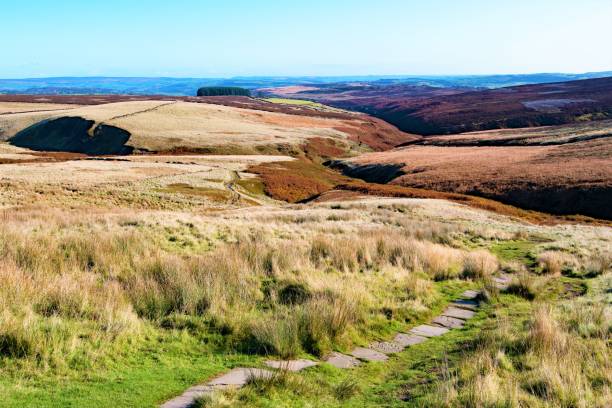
299 102
371 384
516 250
164 366
253 187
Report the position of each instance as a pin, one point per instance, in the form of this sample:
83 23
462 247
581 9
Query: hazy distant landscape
186 86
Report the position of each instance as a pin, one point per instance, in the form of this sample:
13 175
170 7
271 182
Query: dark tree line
223 91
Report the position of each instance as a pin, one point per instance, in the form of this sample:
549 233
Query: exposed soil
373 173
71 134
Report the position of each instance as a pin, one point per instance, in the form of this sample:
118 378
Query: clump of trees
223 91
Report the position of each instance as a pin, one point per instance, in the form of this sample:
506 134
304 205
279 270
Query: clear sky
223 38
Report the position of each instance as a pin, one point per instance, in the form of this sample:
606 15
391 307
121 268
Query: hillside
560 170
142 277
432 111
123 125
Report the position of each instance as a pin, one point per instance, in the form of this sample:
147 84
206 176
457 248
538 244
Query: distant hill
513 107
560 170
427 110
188 86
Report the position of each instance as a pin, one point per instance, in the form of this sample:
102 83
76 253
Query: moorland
152 243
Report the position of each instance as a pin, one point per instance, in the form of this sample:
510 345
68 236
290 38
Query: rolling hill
102 125
560 170
426 110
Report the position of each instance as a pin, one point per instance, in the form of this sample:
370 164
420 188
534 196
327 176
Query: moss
254 187
516 250
216 195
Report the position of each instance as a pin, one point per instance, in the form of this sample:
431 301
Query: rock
458 313
340 360
502 282
369 354
465 304
448 322
291 365
189 397
408 339
426 330
470 294
387 347
240 376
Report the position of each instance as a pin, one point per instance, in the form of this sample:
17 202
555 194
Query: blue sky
316 37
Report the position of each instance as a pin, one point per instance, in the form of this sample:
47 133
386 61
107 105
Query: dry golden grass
554 262
331 269
553 364
21 107
168 125
102 275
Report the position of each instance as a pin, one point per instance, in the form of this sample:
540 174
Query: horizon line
306 76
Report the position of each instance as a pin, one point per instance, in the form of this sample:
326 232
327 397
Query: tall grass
72 286
561 358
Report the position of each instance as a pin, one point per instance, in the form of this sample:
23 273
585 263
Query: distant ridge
188 86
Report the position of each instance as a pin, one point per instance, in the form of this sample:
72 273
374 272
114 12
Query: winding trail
453 317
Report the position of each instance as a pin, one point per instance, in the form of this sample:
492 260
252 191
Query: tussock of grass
561 360
555 262
524 285
480 264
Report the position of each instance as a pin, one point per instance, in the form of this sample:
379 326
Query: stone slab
448 322
387 347
470 294
502 282
458 313
240 376
408 339
465 304
291 365
340 360
369 354
426 330
189 397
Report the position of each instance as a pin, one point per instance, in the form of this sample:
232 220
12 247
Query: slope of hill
122 125
429 111
551 170
515 107
536 136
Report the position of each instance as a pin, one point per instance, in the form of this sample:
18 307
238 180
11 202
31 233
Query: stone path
236 378
453 317
291 365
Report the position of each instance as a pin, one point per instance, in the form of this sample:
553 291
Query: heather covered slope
431 111
570 178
